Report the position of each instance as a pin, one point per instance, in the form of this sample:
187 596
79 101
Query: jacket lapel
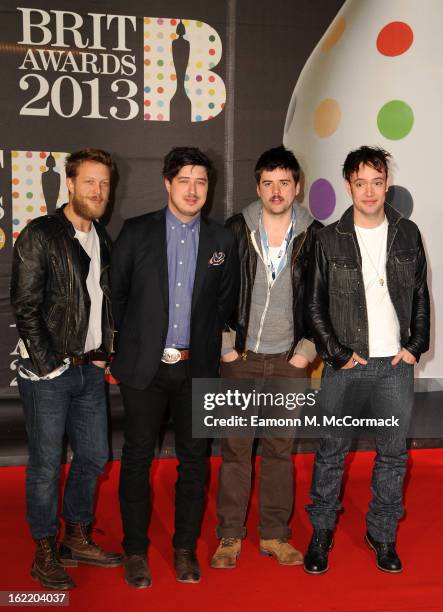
159 246
206 246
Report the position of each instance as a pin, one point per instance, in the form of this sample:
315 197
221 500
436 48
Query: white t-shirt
384 329
91 244
276 253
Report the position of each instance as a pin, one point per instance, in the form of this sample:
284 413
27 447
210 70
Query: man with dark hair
60 298
274 236
367 305
174 284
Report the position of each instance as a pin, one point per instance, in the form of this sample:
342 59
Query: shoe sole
316 573
188 581
227 566
141 586
74 562
47 585
388 571
274 555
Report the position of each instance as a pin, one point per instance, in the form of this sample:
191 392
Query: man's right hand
231 356
353 362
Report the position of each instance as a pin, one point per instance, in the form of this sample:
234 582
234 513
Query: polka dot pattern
27 192
334 35
322 199
395 120
327 117
395 39
206 90
401 199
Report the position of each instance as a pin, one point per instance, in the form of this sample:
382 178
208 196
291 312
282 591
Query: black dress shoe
387 558
186 564
136 571
316 558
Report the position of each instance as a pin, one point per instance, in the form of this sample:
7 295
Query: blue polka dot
198 117
16 221
29 181
211 105
147 89
160 49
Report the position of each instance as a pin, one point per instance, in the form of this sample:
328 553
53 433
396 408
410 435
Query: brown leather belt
78 360
173 355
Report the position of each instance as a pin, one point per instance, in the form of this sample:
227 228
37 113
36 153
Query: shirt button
175 325
179 284
172 226
180 262
183 225
177 305
182 241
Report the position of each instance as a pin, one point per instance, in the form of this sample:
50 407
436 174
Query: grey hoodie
271 322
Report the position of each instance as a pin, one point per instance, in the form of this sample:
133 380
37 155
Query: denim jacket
335 306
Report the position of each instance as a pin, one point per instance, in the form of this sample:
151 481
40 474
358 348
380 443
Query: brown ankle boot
47 569
78 547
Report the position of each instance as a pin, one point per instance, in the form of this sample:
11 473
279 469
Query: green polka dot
199 24
29 195
160 76
29 208
395 119
212 38
160 63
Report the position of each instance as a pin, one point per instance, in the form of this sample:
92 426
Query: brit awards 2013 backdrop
233 78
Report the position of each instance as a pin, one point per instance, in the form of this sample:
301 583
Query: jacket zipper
294 259
70 297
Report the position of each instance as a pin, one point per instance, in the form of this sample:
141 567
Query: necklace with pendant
380 278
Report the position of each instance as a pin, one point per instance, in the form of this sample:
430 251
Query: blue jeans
73 402
391 393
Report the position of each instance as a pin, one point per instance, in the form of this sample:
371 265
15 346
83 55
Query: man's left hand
298 361
404 355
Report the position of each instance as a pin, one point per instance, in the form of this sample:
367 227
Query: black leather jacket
248 267
48 291
335 306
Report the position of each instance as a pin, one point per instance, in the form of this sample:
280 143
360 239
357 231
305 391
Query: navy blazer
140 296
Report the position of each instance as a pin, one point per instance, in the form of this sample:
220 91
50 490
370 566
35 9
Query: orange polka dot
327 117
334 35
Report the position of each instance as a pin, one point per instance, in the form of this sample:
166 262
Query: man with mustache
274 236
61 301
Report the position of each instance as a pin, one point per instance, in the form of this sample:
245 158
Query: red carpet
352 583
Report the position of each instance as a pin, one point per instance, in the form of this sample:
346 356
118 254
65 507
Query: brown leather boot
78 547
47 569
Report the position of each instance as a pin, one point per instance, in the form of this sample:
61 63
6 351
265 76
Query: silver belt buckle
171 355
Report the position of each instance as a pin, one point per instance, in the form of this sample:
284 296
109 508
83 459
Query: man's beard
81 208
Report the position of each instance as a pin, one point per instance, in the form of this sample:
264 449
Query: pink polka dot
147 116
28 153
